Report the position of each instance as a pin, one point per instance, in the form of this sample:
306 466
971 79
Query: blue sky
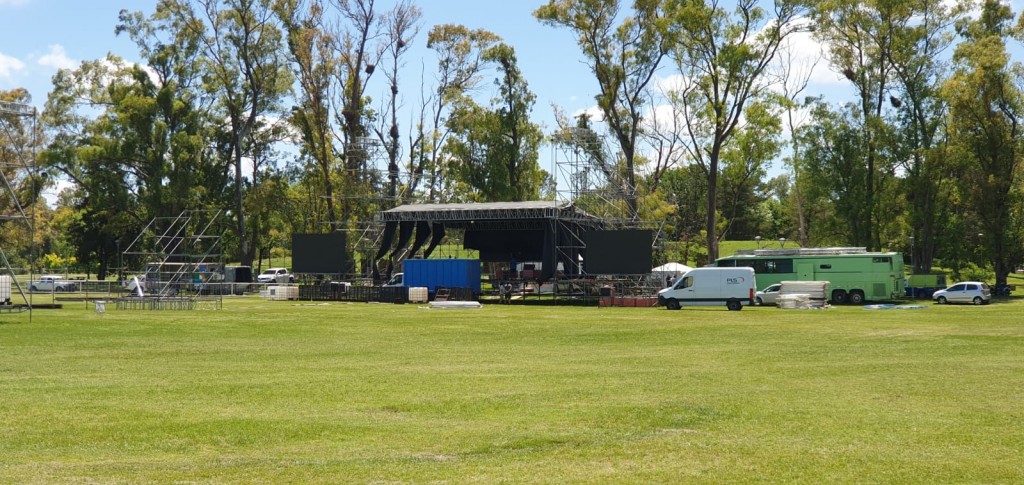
40 36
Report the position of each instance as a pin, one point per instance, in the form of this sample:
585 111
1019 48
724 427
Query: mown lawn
280 392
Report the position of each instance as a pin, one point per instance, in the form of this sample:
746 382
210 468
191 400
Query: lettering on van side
735 281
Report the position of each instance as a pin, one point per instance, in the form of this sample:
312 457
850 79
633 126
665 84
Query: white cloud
808 57
663 85
594 112
57 58
9 65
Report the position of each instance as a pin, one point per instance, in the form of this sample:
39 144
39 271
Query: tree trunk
712 205
245 255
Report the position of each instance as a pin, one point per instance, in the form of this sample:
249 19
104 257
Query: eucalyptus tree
860 37
359 48
985 123
314 62
624 52
459 63
833 169
245 70
722 59
495 150
402 23
921 33
794 74
744 169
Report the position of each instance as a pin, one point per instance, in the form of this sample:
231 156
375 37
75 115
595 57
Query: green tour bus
854 274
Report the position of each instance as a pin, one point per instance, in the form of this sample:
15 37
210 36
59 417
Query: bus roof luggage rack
801 251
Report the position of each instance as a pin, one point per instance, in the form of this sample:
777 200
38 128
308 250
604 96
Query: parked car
275 275
974 292
768 296
52 283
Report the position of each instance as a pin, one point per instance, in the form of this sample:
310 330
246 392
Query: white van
711 286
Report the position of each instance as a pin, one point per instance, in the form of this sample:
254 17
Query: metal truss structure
22 164
179 254
588 176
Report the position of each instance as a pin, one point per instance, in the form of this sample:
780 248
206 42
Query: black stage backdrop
618 252
319 253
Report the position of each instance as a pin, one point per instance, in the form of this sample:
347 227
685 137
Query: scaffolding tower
589 177
179 254
20 163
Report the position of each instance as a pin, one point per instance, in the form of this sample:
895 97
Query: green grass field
286 392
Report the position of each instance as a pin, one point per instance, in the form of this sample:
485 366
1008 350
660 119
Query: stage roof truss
495 211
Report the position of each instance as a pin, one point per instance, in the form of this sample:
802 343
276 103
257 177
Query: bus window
825 266
779 266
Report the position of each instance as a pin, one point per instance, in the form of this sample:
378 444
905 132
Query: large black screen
617 252
319 253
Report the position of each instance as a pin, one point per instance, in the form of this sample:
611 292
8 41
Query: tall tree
245 69
985 123
314 62
921 35
722 58
624 53
401 25
459 51
860 37
496 150
359 51
832 165
794 75
140 157
744 168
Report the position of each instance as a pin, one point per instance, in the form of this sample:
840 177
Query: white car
275 275
768 296
974 292
52 283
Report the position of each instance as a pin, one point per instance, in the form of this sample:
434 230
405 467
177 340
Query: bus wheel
734 305
672 304
839 297
856 297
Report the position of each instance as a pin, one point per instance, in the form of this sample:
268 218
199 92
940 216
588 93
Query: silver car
768 296
974 292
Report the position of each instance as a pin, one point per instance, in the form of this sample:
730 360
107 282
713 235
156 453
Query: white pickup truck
275 275
52 283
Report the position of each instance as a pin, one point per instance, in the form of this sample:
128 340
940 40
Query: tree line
293 116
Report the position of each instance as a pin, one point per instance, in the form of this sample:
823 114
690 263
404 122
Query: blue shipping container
445 273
